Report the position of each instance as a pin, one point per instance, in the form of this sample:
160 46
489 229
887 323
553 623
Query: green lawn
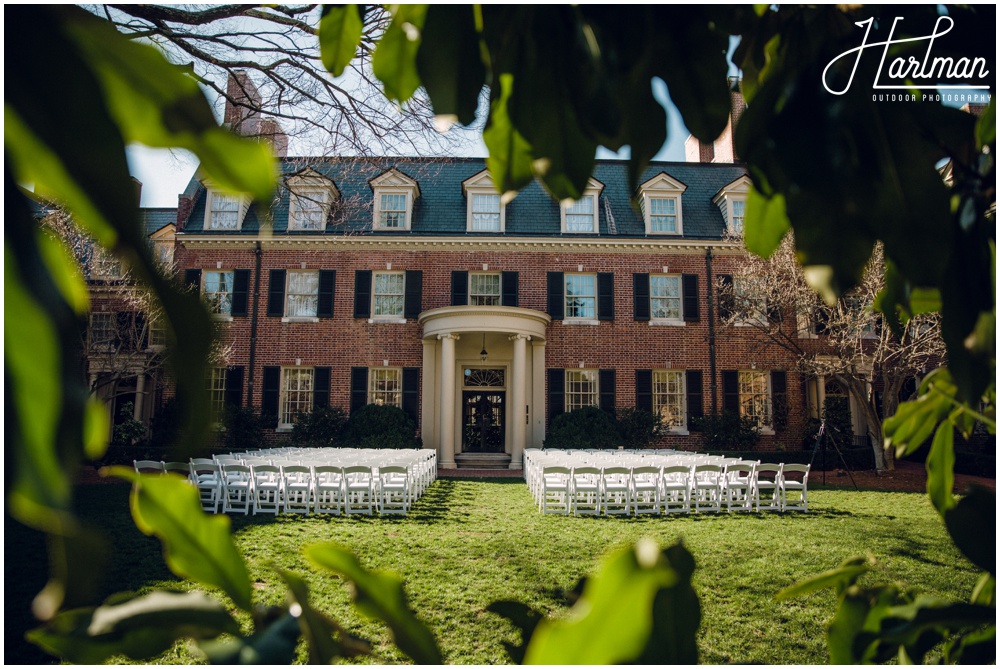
467 543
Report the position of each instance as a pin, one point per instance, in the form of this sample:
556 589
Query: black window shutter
192 277
459 288
363 293
411 392
327 285
731 391
414 292
321 387
557 392
276 293
508 283
695 402
779 399
644 389
606 390
605 296
359 388
640 297
726 297
241 292
270 391
689 284
556 302
233 396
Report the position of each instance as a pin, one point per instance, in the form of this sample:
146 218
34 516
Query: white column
538 400
519 413
140 394
446 454
428 396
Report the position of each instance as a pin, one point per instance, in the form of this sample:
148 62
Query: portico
476 402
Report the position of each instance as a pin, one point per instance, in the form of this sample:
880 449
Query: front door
482 421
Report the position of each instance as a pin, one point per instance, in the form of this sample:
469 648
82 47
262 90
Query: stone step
482 460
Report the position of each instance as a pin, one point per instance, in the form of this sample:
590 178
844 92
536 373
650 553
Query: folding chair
266 488
739 481
616 491
707 487
207 477
555 483
645 490
328 489
766 491
148 466
296 489
181 468
585 493
675 489
393 489
796 485
237 489
359 490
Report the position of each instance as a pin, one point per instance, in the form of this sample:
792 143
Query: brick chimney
242 115
723 149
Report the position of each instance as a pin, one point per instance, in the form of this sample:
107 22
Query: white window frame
405 211
156 335
760 318
309 317
666 320
394 182
476 186
750 397
576 396
315 200
212 303
215 380
484 298
480 197
591 193
110 327
105 266
731 193
567 318
241 201
385 386
662 187
670 393
401 294
295 398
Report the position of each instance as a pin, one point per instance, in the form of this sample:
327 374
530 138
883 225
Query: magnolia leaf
839 579
274 645
449 62
380 596
317 628
766 223
510 157
395 59
940 467
972 526
340 29
196 546
986 125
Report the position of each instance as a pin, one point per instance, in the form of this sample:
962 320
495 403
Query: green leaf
940 467
766 223
317 628
676 616
395 59
839 579
449 63
380 596
96 427
984 594
972 526
196 546
274 645
509 159
340 29
613 619
848 622
986 125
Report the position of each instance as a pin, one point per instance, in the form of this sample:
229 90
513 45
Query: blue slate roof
154 218
441 207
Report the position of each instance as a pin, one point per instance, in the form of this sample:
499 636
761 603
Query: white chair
555 483
182 468
359 490
706 489
616 491
266 488
297 489
766 490
675 489
645 490
393 489
739 481
586 491
237 489
207 478
328 489
794 487
148 466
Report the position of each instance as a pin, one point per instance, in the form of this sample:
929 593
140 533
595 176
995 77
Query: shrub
379 426
727 431
125 435
165 426
588 427
320 428
244 429
638 428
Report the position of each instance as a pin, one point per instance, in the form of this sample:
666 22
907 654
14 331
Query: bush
378 426
320 428
727 431
244 429
856 458
588 427
638 428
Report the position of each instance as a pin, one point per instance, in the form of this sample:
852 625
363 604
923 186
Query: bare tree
847 342
277 49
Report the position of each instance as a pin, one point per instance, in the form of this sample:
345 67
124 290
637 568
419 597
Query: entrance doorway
483 421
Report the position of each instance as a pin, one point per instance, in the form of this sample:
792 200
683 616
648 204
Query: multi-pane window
219 291
749 300
216 379
392 210
296 393
308 210
663 214
581 388
224 213
103 334
302 294
665 297
484 289
737 211
581 296
486 212
668 397
106 266
755 400
157 331
388 294
581 215
385 386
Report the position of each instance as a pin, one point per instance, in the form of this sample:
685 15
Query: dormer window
660 201
225 211
311 195
581 216
484 211
732 201
394 196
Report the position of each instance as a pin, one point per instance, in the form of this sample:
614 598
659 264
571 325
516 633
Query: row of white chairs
681 485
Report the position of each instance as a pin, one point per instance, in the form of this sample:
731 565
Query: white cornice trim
459 243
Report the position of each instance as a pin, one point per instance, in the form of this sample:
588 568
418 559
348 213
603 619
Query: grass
467 543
